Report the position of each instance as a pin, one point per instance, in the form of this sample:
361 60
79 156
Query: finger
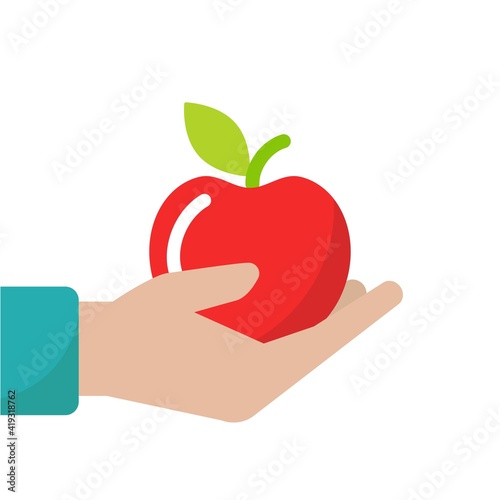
307 349
353 290
202 288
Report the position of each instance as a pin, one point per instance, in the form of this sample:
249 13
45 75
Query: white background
351 123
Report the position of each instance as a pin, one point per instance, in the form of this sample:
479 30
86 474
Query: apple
291 229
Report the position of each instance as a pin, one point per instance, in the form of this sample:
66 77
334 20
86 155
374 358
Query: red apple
292 229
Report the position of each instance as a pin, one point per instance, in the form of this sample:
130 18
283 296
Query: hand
150 346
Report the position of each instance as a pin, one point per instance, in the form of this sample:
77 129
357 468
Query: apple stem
262 156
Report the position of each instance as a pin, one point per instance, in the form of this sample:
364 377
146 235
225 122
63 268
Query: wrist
93 352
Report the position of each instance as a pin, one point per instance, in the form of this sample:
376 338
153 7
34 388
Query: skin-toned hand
151 347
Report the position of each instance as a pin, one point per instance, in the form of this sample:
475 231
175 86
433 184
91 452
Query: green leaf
216 138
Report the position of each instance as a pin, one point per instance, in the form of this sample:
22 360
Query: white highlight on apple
179 230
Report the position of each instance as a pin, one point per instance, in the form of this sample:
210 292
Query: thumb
199 289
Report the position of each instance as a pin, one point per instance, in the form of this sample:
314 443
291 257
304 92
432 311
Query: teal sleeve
39 350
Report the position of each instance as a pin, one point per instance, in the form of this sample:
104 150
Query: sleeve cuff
39 350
